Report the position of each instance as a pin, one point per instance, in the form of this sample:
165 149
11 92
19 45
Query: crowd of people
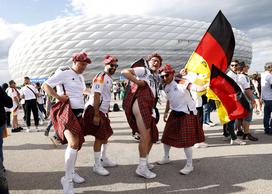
73 118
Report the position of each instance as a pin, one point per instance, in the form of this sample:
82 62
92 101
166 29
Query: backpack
116 107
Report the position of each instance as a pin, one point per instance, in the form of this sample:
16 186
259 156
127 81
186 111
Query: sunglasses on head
166 75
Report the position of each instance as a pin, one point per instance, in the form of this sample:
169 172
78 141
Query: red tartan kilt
64 119
103 131
182 132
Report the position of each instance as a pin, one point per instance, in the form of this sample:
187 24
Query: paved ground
35 166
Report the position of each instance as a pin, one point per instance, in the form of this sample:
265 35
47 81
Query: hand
165 117
96 120
253 103
140 83
63 98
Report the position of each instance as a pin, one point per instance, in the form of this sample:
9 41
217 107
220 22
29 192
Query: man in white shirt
70 86
96 119
266 93
30 94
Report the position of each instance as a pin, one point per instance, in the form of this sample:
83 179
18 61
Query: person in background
30 94
244 83
40 99
257 93
15 95
5 101
266 85
8 111
182 129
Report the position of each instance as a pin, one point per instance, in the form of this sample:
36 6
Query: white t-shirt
102 83
28 91
266 81
12 93
40 99
232 75
73 83
243 81
144 74
179 97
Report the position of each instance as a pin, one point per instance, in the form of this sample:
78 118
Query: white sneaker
28 130
41 122
142 170
164 160
237 142
186 170
201 145
68 186
78 179
211 124
100 170
106 162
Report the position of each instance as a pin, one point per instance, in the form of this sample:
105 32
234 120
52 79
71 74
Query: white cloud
8 33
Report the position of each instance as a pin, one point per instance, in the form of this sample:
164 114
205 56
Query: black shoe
15 130
268 131
240 133
46 133
250 137
21 128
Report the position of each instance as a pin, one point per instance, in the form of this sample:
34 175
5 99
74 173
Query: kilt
183 131
146 103
63 119
103 131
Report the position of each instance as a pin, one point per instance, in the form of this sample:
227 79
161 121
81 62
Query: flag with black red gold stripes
210 59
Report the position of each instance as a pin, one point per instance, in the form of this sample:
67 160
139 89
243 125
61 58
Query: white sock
97 158
104 150
70 160
166 149
189 156
143 162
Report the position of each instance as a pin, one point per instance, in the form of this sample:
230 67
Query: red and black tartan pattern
182 132
103 131
146 102
64 119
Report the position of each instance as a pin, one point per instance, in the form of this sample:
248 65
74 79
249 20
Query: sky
253 17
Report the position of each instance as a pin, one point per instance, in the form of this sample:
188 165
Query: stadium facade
40 50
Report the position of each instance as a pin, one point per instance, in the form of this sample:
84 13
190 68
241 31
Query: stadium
40 50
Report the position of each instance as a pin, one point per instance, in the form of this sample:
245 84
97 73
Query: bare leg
145 134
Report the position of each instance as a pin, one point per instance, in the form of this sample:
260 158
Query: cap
167 69
108 59
81 57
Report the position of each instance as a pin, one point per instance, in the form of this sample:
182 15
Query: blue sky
253 17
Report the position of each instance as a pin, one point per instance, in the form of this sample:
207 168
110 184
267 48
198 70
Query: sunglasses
166 75
233 65
114 65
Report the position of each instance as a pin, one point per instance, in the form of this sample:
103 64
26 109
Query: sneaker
206 125
100 170
226 138
136 137
201 145
41 122
164 160
237 142
240 133
78 179
15 130
211 124
249 137
46 133
68 186
186 170
28 130
142 170
106 162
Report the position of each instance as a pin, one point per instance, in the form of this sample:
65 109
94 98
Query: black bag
116 107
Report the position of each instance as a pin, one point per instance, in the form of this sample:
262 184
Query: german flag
230 101
210 59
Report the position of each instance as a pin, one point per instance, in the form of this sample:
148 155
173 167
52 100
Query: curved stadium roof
40 50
